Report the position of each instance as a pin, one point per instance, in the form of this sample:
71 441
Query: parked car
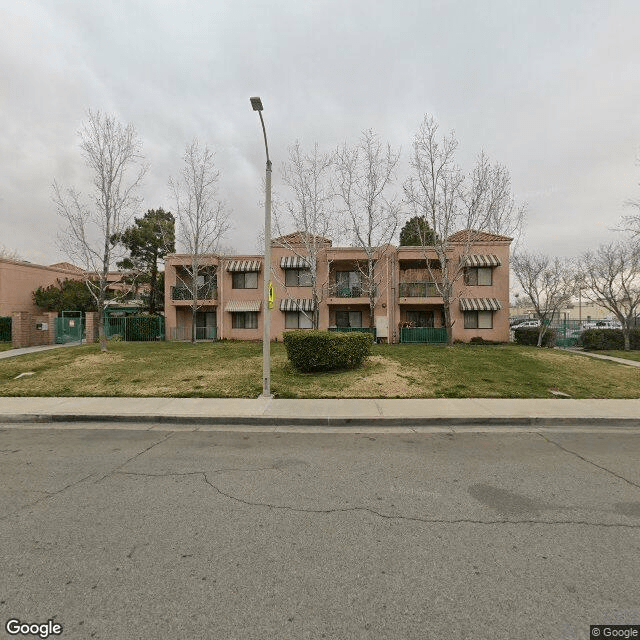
527 324
602 324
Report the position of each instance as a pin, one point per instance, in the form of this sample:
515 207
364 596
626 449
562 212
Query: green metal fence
5 329
567 332
69 329
135 328
371 330
423 335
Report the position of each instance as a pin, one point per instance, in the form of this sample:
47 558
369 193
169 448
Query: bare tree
364 177
548 283
112 153
611 277
9 254
203 221
454 203
307 212
632 223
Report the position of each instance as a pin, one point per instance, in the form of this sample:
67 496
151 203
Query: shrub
605 339
530 337
323 350
481 340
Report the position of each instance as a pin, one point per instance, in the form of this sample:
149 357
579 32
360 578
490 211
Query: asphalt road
131 533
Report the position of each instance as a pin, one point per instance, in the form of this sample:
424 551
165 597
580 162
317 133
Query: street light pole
256 103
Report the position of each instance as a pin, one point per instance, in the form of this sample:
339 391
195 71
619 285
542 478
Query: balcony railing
346 291
418 290
203 293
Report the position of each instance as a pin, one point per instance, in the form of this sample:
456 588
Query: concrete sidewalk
22 351
323 413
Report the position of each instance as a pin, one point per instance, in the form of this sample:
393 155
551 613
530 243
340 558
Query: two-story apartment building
402 291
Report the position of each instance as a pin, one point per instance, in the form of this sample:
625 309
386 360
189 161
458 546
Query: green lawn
234 369
5 346
627 355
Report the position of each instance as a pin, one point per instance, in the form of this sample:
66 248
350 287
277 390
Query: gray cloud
546 88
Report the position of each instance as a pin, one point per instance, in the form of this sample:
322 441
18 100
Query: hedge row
311 351
530 337
604 339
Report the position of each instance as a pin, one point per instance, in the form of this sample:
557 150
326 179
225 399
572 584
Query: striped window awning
294 262
296 304
480 304
475 260
240 306
244 265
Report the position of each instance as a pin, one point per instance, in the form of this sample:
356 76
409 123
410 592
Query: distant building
19 279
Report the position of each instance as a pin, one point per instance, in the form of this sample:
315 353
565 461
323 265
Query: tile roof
477 236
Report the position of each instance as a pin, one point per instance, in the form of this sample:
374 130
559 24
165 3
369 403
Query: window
244 320
478 319
298 320
481 276
297 277
245 280
420 318
349 318
349 284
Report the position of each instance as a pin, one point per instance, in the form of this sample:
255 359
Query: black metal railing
203 293
346 291
418 290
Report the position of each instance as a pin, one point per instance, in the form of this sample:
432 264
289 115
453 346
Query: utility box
382 327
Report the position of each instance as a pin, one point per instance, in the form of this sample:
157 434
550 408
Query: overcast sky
548 88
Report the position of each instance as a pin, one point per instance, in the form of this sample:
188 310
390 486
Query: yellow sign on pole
272 296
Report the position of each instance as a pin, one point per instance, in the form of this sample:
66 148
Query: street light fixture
256 104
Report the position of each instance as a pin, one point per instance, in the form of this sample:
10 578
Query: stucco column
51 321
21 329
91 326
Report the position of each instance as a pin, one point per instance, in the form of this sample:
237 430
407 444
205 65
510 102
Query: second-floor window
245 280
297 278
481 276
349 281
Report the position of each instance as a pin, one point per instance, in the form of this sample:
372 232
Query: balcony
346 291
204 293
418 290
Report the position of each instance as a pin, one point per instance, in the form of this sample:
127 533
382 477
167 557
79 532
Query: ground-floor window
423 318
349 318
245 320
205 325
298 320
478 319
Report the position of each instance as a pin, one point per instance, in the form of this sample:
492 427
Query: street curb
327 421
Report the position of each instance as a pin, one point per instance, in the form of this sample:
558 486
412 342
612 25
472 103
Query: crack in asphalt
595 464
385 516
51 494
132 458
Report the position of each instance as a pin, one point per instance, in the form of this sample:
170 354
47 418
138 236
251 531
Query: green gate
5 329
134 328
423 335
567 333
70 327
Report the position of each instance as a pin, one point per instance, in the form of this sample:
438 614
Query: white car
527 324
602 324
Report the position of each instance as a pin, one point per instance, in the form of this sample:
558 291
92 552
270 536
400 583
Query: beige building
230 292
19 279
